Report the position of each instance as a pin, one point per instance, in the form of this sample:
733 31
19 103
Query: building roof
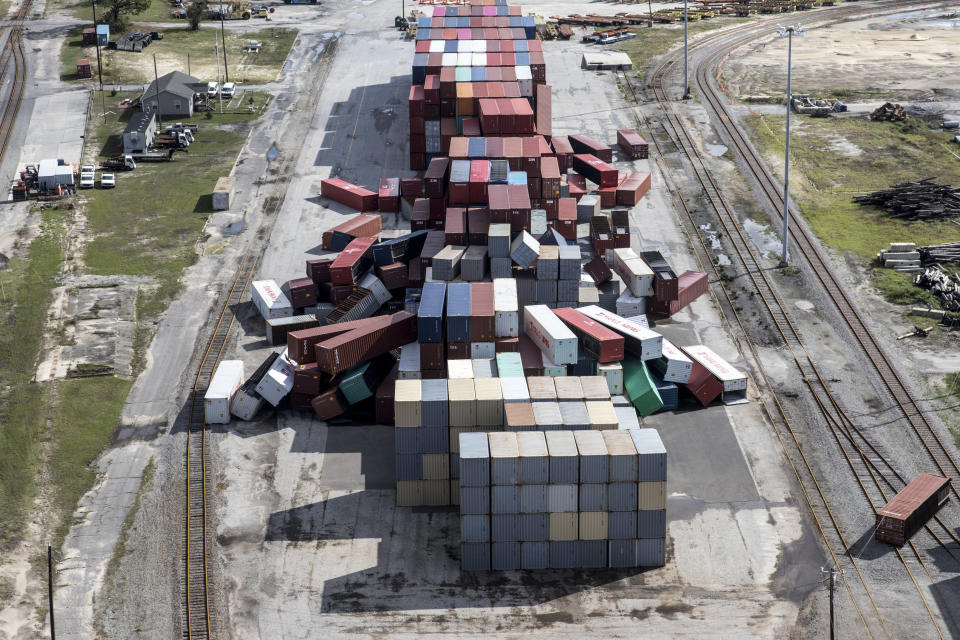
102 28
177 83
139 121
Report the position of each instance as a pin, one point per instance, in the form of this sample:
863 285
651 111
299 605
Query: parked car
228 89
213 88
107 181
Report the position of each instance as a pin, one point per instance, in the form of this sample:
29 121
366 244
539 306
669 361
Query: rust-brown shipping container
330 403
632 144
586 145
352 262
308 379
300 401
348 194
319 270
598 270
302 292
633 188
481 310
549 177
478 225
300 343
544 110
434 180
455 227
393 276
364 225
508 345
411 187
564 151
595 170
458 351
346 350
388 196
383 399
910 509
433 356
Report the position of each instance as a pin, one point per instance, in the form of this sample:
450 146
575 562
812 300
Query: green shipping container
639 387
509 365
354 387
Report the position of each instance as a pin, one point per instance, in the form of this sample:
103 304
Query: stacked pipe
562 500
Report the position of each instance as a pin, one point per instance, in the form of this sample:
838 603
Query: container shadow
358 453
418 560
867 547
947 595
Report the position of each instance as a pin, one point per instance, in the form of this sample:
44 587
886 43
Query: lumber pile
943 285
889 112
940 253
924 200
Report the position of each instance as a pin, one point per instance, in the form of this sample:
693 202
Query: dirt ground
910 55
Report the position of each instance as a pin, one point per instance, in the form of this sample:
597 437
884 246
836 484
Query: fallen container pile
513 355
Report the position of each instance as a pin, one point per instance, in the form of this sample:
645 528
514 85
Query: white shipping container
674 365
538 221
650 342
478 59
505 308
278 381
464 59
245 405
460 369
614 374
375 286
636 274
409 366
270 300
449 60
550 368
732 379
549 333
514 389
223 385
629 305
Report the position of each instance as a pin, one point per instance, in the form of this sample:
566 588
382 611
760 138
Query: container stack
562 500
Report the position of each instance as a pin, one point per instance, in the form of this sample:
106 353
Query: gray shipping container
587 207
564 457
570 257
548 264
407 440
652 455
652 523
434 405
534 527
498 241
505 527
534 555
526 291
651 552
564 554
501 268
627 417
504 458
475 528
505 499
434 439
623 553
623 456
622 525
446 263
474 460
546 291
474 500
473 265
622 496
525 249
592 554
454 466
484 368
568 292
594 464
534 463
533 498
505 556
562 498
593 497
541 388
575 415
409 466
475 556
547 415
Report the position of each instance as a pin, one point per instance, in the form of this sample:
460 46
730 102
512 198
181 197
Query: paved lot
308 533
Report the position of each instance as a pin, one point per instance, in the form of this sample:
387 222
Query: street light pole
784 253
686 81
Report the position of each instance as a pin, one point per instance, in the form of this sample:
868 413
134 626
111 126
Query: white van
213 88
228 89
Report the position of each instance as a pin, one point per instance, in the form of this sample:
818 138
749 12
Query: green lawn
183 50
656 41
824 177
158 11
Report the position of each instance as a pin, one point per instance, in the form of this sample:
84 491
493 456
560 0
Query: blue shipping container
458 311
430 316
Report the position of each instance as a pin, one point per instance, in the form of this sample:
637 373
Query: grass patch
825 175
950 388
25 293
181 50
82 423
158 11
656 41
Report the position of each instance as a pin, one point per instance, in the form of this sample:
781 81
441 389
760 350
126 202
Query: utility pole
223 37
156 81
686 82
650 12
833 574
53 629
219 96
787 32
188 64
96 39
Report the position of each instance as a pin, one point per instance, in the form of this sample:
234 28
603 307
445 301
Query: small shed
611 60
84 69
103 34
223 193
51 174
141 128
89 36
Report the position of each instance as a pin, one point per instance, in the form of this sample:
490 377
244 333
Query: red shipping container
418 161
544 110
595 339
470 127
455 227
490 117
431 111
348 194
479 178
420 218
533 190
530 148
417 100
303 292
595 170
478 225
577 185
384 399
530 356
389 195
508 345
411 187
393 276
482 327
418 144
703 385
507 116
608 195
459 148
434 374
300 343
632 144
549 177
340 292
330 403
308 379
566 222
352 261
511 88
586 145
417 125
459 182
431 89
513 152
498 198
448 107
598 270
523 122
347 350
319 270
561 145
690 286
550 206
432 356
422 46
494 148
435 177
300 401
438 210
633 188
458 350
363 225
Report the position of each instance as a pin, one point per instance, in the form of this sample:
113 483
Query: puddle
804 305
762 237
317 52
355 16
716 149
715 245
723 260
286 66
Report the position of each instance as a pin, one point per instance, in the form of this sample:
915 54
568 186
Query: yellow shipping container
593 525
463 402
564 526
651 495
602 415
406 403
489 402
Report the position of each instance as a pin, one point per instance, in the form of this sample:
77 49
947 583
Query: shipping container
489 402
542 389
734 381
352 262
506 316
534 467
348 194
430 314
518 415
632 144
388 196
458 312
482 305
568 388
550 334
224 383
593 525
636 274
277 382
586 145
362 225
911 508
343 351
622 525
673 365
525 249
564 457
633 188
278 328
329 404
504 458
639 387
269 300
595 170
638 341
703 385
652 523
651 455
547 415
596 340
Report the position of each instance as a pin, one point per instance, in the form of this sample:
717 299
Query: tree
195 13
118 10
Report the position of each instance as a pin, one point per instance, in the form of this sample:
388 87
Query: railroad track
198 618
12 52
877 478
